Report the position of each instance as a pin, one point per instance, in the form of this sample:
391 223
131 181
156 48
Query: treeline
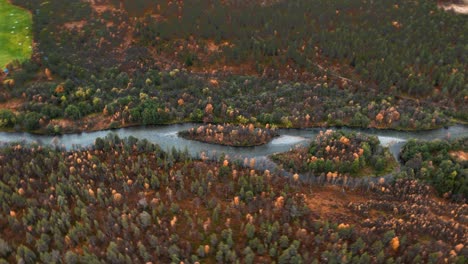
442 163
126 201
154 97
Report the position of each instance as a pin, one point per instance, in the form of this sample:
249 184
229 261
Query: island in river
231 135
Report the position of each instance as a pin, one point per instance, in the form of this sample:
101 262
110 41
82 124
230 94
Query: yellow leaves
395 244
180 102
343 226
9 82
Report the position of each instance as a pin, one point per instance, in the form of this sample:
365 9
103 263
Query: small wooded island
231 135
338 153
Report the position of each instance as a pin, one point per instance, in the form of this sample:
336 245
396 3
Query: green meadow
15 33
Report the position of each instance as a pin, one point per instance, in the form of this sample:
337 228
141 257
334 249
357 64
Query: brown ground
330 202
12 104
101 6
75 25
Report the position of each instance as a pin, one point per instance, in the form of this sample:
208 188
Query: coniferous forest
127 201
109 64
363 73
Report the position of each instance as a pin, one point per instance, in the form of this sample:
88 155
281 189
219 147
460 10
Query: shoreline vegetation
94 123
231 135
339 154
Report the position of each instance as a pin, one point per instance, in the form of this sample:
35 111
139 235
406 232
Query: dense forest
104 64
126 201
443 164
339 154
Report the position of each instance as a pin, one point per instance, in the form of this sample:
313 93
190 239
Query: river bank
166 136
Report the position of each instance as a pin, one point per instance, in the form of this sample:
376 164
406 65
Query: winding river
166 137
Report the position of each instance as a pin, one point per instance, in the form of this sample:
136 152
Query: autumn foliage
335 153
231 135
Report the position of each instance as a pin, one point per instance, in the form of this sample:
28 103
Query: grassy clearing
15 33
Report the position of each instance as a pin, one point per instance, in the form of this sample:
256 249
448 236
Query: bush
72 112
7 118
31 121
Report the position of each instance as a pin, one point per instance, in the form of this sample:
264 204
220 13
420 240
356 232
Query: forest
127 201
339 154
441 163
103 64
230 135
241 78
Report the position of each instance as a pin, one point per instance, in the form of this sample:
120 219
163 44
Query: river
166 137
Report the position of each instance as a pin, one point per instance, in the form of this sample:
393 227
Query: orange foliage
59 89
395 243
379 117
214 82
344 140
209 108
48 73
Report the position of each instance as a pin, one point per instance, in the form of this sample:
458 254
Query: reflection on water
166 137
287 140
